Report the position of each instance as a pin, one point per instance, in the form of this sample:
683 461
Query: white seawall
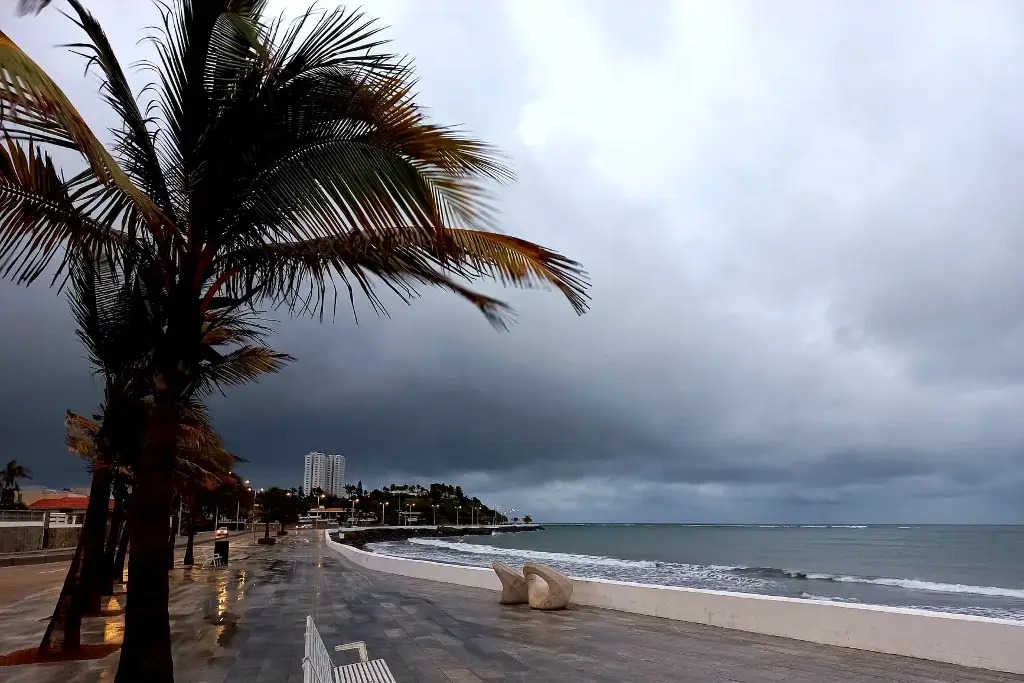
980 642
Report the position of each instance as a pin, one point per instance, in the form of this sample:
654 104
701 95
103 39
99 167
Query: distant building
30 494
69 509
325 472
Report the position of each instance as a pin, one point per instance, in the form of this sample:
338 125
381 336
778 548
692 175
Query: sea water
976 570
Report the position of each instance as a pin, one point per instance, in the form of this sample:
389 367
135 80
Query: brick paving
246 623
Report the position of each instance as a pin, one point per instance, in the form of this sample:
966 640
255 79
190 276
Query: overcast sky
806 254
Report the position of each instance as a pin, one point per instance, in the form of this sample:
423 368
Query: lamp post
457 508
409 516
352 517
435 514
477 510
238 508
382 506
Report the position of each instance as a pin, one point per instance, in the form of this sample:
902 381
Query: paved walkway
245 624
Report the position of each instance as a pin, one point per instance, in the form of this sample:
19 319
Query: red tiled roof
65 503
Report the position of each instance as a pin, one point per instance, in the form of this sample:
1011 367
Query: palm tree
277 162
12 473
115 324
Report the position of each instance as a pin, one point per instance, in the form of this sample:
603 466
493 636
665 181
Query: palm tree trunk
174 532
117 572
64 632
146 651
190 545
80 594
113 541
94 531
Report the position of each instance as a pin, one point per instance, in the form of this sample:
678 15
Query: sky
807 260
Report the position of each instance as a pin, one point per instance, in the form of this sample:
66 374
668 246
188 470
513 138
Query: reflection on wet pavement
113 631
207 615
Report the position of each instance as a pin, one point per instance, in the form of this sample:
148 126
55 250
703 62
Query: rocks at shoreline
358 539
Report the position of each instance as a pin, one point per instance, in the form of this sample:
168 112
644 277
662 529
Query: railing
22 516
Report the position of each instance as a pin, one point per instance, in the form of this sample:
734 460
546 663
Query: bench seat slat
374 671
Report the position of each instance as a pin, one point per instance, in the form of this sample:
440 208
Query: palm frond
303 271
241 366
39 218
31 6
31 101
80 435
114 319
135 141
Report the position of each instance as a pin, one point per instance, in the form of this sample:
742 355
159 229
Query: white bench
317 666
210 558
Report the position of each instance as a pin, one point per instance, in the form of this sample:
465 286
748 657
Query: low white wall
996 644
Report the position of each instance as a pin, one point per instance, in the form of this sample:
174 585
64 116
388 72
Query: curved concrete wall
980 642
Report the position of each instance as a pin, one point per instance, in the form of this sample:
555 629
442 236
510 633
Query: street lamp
382 506
353 515
409 516
457 508
435 514
477 511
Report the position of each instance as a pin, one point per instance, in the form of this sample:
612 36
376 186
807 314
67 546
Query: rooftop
65 503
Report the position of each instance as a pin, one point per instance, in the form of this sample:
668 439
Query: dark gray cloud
803 232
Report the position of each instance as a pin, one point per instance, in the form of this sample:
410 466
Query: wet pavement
245 623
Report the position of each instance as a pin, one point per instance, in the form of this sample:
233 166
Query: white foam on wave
811 596
915 584
903 527
481 549
814 526
849 526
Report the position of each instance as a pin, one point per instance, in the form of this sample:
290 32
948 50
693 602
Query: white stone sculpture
513 584
546 588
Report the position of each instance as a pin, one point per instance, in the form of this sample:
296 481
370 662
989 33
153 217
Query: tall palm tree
13 472
277 162
116 324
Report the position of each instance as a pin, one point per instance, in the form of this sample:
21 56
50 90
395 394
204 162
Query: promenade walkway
245 624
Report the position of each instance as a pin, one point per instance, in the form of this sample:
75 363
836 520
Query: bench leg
358 645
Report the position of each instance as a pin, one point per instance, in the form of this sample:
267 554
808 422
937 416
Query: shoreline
359 537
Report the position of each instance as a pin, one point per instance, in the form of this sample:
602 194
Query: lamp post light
408 517
477 511
382 506
435 513
457 508
352 516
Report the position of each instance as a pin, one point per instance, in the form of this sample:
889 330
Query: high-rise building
325 472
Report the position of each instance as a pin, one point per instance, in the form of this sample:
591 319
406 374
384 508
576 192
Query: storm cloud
803 230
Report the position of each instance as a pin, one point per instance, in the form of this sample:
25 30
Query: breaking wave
909 584
588 560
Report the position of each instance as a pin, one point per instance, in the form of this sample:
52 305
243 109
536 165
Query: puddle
225 633
113 632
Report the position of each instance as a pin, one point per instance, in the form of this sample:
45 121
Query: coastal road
17 583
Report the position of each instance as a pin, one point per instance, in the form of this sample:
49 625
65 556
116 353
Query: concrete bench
317 666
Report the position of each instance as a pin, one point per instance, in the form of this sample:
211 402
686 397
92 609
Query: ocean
976 570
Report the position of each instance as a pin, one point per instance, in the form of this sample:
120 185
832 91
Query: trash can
221 548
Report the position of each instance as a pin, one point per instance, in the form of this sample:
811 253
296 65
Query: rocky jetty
360 538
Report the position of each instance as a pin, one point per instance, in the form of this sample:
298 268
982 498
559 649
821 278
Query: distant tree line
446 503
